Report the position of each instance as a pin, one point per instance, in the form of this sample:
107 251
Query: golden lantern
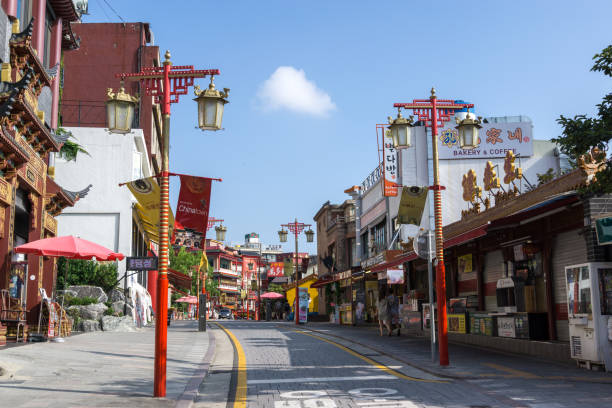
220 230
468 131
309 235
120 110
210 106
282 235
401 130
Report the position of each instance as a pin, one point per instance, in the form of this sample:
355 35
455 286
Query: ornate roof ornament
61 138
52 72
490 179
511 171
25 35
471 190
76 195
8 88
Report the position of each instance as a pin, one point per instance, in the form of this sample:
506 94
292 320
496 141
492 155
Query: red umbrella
187 299
69 247
272 295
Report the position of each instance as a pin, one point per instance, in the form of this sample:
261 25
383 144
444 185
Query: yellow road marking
241 380
517 373
370 361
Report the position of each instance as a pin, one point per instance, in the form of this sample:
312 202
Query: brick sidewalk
100 369
466 362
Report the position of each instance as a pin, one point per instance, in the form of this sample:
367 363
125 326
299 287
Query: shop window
364 245
379 239
225 264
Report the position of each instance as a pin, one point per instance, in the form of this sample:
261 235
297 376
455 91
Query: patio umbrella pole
59 338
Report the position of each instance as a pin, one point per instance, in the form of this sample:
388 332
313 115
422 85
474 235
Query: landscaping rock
118 306
116 295
118 324
89 326
95 292
129 310
89 312
67 292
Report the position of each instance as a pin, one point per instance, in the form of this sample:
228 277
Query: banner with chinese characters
390 166
496 139
276 270
193 203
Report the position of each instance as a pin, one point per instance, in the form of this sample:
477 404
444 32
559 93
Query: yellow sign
464 263
147 193
411 205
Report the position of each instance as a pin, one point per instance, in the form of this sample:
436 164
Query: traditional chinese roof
67 11
58 198
24 56
14 154
32 128
60 138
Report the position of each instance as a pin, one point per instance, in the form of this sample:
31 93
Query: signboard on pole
303 298
141 263
496 139
390 166
411 205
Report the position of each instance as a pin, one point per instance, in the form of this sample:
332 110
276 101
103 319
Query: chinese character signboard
496 139
390 166
143 263
276 270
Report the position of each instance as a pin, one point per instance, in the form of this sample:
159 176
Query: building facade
34 34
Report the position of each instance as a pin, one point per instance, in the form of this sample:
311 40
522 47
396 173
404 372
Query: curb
384 353
186 399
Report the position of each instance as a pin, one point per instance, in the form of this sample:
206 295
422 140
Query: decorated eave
66 10
58 198
24 56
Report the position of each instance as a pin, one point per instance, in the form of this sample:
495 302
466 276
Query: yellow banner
412 205
147 193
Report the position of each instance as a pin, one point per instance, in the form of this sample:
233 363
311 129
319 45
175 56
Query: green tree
83 272
187 262
582 133
274 287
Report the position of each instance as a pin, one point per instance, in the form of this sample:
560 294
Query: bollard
202 313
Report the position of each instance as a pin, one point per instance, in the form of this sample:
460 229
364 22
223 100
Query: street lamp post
433 112
295 228
165 84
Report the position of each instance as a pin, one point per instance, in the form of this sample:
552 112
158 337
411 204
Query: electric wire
104 11
114 11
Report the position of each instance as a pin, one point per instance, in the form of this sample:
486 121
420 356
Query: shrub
84 301
83 272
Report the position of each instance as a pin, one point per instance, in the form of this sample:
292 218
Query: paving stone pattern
99 369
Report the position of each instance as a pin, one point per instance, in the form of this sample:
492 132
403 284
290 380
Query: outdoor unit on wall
589 304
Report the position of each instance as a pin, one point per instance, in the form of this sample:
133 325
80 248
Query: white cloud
288 88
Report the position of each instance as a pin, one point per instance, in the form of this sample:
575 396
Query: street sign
421 245
141 263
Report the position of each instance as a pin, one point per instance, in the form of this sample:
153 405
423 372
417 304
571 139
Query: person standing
383 312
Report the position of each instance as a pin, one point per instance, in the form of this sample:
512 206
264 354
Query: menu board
457 323
506 326
482 323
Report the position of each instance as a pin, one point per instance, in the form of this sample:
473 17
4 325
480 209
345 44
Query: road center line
321 379
370 361
241 380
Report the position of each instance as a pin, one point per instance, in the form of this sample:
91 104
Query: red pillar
56 53
10 7
38 36
152 288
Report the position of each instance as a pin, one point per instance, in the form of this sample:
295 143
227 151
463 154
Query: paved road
279 365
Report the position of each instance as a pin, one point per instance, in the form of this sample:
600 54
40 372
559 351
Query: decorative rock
118 306
89 312
129 311
95 292
116 295
68 292
89 325
118 324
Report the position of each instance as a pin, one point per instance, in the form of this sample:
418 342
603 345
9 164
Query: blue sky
307 134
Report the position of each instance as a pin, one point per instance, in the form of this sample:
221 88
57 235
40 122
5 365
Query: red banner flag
194 203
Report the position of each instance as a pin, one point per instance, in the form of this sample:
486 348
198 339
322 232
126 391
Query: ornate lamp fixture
468 131
309 235
120 110
401 130
282 235
210 106
220 230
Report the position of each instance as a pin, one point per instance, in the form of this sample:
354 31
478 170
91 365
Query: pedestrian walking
393 304
278 310
287 311
383 312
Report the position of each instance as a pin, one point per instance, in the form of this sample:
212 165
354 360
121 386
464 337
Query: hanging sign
411 205
395 276
193 203
276 270
390 167
496 139
141 263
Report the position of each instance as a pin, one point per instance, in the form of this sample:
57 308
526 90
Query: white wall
105 215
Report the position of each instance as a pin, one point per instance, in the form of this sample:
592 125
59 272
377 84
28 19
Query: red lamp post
165 84
295 228
434 112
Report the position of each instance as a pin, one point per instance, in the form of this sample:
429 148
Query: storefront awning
394 262
179 279
466 236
